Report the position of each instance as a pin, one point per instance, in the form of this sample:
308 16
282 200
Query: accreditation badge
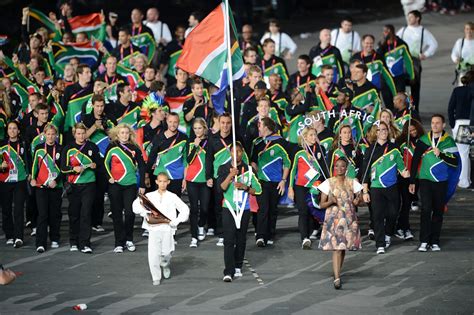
392 157
390 61
89 153
13 175
318 61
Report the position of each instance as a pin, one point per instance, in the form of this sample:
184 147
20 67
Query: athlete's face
328 74
239 153
99 107
149 74
382 132
42 116
198 90
275 82
269 48
263 109
181 76
341 168
198 129
437 125
123 135
50 135
111 65
346 135
80 135
159 114
385 117
254 77
251 57
310 137
162 182
13 131
368 44
302 65
225 124
33 100
357 74
413 132
325 36
323 85
173 122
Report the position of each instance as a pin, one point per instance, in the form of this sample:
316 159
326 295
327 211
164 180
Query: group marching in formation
339 133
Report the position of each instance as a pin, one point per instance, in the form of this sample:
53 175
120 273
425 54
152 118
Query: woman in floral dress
340 195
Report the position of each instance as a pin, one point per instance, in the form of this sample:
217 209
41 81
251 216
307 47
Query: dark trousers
211 211
433 197
199 195
371 216
175 186
31 206
81 198
305 219
267 210
415 85
235 241
385 205
406 200
218 198
13 196
121 199
49 214
97 216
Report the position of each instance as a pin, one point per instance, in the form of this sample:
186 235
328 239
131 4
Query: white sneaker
408 235
423 247
145 233
40 249
54 245
220 242
306 244
435 248
314 235
414 206
118 249
156 282
106 197
73 248
130 246
380 250
166 271
98 228
86 250
33 232
371 234
238 273
201 233
260 242
194 243
227 278
400 234
18 243
387 241
270 242
10 241
210 232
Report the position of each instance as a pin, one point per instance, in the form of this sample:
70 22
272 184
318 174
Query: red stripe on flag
89 20
176 102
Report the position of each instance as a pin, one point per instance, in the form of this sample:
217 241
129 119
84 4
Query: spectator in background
346 40
160 29
194 19
284 46
463 53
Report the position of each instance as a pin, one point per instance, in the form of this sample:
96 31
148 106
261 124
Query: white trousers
465 178
160 247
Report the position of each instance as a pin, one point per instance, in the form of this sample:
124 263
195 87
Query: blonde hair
143 57
203 123
303 134
113 133
78 125
50 126
393 131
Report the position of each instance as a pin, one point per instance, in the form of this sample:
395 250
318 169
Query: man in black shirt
197 106
111 76
125 46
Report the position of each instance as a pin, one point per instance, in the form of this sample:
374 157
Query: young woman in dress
340 195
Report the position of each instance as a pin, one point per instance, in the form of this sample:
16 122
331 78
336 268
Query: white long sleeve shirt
467 52
347 43
286 43
167 203
412 36
160 30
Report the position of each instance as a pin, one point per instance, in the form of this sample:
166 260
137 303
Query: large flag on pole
91 24
205 51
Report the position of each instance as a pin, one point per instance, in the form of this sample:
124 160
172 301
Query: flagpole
231 83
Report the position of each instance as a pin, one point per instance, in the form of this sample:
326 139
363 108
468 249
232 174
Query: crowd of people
338 133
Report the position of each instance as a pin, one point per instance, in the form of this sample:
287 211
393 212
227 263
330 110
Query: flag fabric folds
91 24
205 53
